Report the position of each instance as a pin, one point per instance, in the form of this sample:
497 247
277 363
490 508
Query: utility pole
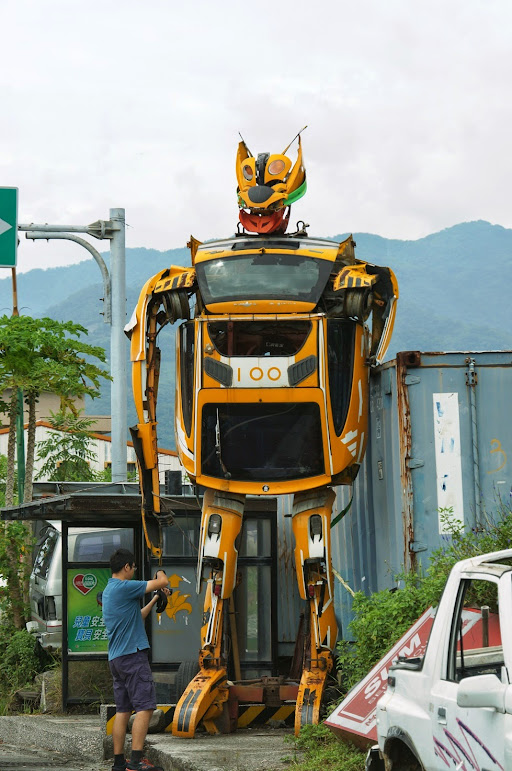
114 299
118 345
20 422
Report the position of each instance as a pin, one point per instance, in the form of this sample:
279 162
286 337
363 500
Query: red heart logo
84 583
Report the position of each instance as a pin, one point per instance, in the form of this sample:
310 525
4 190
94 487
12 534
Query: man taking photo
128 649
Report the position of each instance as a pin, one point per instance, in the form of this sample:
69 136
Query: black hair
120 558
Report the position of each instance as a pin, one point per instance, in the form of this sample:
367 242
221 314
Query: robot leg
206 696
312 530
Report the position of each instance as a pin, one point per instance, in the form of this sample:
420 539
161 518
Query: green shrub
21 661
379 621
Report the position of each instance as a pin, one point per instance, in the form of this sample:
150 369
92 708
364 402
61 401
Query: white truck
452 708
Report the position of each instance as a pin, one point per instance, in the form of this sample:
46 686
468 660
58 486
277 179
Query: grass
317 749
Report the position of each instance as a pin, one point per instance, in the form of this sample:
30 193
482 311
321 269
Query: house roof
101 437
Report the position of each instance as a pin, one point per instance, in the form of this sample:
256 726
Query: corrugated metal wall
440 435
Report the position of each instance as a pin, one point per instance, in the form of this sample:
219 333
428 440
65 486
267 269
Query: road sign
8 226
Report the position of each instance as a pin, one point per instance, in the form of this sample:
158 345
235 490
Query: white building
100 446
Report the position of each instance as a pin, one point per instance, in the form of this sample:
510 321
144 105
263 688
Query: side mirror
482 691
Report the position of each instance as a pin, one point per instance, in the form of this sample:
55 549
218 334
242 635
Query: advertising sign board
86 629
355 717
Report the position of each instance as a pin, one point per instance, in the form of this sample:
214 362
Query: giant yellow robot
272 378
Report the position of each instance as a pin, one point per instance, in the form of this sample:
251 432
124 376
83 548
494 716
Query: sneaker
143 765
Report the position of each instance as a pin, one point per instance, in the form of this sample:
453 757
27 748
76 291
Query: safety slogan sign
86 629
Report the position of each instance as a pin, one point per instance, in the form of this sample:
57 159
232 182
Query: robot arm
164 299
368 289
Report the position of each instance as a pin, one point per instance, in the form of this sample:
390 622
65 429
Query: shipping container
440 440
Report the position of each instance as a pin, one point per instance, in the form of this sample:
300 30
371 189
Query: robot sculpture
277 336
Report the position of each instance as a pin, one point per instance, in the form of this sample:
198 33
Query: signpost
8 226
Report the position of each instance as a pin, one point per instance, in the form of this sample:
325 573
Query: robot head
266 185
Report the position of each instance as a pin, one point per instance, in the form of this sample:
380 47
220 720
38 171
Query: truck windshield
267 442
267 276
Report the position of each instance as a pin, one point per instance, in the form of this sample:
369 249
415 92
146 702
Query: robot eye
276 167
248 173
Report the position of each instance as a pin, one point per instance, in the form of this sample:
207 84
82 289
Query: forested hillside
454 295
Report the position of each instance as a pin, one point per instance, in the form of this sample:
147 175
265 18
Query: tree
67 452
36 355
42 354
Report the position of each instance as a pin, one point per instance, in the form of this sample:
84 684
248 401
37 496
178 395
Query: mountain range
454 295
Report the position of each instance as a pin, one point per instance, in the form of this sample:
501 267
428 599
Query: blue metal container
440 439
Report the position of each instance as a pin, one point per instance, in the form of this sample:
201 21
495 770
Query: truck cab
452 709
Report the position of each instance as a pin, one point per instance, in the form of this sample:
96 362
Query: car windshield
263 276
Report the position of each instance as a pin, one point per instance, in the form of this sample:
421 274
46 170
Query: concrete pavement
12 758
82 738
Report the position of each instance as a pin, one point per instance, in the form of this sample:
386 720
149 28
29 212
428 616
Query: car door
470 738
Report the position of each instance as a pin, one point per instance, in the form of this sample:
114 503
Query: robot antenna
293 140
243 140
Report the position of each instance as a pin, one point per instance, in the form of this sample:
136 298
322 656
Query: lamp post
114 299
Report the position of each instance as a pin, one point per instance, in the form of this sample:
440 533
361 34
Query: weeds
317 749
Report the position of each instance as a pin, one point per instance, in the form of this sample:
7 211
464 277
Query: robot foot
311 690
204 696
218 719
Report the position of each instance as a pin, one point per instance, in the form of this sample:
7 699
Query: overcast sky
138 105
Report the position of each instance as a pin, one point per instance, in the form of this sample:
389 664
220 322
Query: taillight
50 613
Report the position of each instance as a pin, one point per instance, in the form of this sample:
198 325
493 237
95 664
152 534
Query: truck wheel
358 304
402 758
187 670
374 761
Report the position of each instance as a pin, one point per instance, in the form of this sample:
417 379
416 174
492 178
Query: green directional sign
8 226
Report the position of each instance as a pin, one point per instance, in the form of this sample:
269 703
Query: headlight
276 167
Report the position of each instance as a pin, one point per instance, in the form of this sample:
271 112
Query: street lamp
114 299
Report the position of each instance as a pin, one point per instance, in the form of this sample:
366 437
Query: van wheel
187 670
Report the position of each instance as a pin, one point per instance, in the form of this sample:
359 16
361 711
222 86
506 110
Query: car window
475 641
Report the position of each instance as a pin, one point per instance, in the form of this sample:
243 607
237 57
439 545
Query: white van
85 544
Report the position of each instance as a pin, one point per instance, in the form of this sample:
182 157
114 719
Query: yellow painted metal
208 691
178 278
311 689
193 245
285 182
353 277
358 295
311 525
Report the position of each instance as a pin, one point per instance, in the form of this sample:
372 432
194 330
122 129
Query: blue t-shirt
122 617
